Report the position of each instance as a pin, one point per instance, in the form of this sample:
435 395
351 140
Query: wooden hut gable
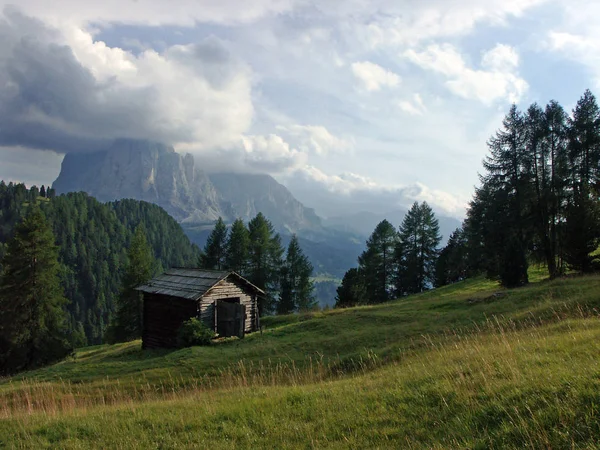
230 288
180 294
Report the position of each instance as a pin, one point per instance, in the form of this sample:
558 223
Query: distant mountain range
150 171
363 222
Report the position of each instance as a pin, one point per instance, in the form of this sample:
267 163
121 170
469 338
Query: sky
370 104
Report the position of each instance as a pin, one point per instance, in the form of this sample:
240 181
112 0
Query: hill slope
468 365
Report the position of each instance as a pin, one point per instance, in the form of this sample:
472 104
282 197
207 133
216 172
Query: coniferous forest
92 240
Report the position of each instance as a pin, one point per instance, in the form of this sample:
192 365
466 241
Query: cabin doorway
230 317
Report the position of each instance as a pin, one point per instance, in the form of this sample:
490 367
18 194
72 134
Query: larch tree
127 321
296 286
508 167
215 251
452 264
583 224
33 323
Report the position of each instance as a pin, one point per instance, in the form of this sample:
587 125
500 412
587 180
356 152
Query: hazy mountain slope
250 194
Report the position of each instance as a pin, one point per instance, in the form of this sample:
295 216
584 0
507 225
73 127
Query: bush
194 332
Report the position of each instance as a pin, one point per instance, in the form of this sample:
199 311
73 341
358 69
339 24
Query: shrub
194 332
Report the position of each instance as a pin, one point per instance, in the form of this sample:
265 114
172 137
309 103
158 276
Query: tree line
396 262
256 253
539 197
538 201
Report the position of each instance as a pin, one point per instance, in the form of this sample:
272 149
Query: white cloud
374 77
577 37
498 78
316 139
367 191
154 12
270 154
401 24
414 107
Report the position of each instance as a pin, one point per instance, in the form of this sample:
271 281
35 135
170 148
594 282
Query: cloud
402 24
156 12
373 77
63 91
496 80
321 191
270 153
414 107
20 165
252 154
577 37
316 139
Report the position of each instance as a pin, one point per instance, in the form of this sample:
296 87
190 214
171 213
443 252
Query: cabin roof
191 284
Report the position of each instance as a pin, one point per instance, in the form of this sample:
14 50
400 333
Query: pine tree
33 323
127 322
214 254
43 191
264 260
296 285
236 250
416 252
352 291
378 263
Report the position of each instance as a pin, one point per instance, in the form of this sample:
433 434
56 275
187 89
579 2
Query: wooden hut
223 300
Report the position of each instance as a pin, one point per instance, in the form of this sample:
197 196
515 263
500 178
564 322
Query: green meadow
469 365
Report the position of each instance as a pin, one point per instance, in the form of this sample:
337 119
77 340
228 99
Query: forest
92 240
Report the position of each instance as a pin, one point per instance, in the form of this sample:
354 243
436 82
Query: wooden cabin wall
228 289
162 317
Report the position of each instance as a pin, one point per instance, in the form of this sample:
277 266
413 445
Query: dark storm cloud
50 100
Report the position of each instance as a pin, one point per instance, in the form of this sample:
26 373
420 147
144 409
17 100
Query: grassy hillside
469 365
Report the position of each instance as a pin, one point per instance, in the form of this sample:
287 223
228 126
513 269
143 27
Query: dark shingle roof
189 283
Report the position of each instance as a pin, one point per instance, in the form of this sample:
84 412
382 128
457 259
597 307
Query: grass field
466 366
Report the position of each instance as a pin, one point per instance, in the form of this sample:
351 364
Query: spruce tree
264 260
296 285
33 323
214 254
416 252
352 291
127 321
237 247
378 263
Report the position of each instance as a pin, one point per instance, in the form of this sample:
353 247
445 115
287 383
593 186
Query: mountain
144 170
250 194
363 222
